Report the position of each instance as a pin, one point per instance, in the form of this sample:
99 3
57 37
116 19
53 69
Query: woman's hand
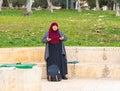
61 38
48 39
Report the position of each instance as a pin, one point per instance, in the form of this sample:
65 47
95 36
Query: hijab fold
54 35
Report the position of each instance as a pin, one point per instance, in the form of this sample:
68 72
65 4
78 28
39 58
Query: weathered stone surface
13 79
94 54
81 54
24 55
43 66
82 85
89 70
94 62
95 70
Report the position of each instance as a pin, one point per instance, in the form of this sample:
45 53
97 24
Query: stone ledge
81 54
82 85
97 71
89 70
24 55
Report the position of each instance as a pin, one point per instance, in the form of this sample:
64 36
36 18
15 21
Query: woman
55 50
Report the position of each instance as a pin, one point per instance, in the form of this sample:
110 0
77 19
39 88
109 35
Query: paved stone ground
82 85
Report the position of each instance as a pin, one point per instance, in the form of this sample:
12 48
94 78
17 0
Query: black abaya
56 57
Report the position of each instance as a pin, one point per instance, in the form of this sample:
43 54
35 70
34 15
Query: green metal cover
19 65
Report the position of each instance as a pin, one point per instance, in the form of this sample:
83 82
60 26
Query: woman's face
55 28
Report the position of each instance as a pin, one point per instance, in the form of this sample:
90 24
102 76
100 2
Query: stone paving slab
82 85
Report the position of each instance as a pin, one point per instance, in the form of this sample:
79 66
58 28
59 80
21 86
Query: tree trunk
97 5
114 5
29 5
117 9
50 5
1 2
79 6
10 4
76 5
72 4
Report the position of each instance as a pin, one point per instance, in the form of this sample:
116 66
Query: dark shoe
64 77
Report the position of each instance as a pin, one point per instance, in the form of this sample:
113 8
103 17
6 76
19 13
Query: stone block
97 70
94 54
85 70
13 79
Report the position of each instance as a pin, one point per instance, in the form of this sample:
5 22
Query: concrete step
94 54
97 70
82 85
89 70
81 54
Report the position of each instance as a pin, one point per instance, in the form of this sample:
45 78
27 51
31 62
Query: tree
28 7
10 4
50 5
117 8
114 5
79 6
97 5
1 2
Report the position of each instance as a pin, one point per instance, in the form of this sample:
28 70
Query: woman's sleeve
62 34
44 39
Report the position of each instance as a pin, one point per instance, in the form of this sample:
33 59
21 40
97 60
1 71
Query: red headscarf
54 35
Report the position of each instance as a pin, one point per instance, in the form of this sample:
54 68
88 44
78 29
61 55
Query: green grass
80 27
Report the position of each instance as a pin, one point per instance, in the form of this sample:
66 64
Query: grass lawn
86 28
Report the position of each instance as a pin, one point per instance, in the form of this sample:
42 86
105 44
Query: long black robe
56 57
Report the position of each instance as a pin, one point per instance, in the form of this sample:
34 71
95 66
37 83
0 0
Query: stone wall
24 55
94 54
81 54
94 62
